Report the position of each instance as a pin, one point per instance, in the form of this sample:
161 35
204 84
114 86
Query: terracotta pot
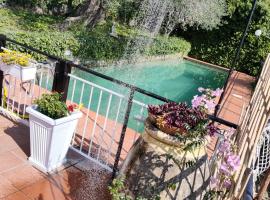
161 135
152 118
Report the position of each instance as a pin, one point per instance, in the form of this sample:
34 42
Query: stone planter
50 139
157 166
22 73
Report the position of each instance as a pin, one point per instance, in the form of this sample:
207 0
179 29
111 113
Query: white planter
50 139
22 73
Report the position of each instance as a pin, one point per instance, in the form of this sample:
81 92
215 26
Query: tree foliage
219 46
205 14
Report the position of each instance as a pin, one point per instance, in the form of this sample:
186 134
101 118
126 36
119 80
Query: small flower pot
50 139
23 73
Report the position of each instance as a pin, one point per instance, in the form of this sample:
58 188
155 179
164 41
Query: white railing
262 159
17 95
98 132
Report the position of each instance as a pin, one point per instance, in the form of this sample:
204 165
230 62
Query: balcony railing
101 132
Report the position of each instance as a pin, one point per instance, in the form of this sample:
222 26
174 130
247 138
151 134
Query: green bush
169 45
52 106
219 46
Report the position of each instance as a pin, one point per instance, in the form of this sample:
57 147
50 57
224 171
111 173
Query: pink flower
201 89
225 169
217 92
224 147
210 104
196 101
233 161
227 183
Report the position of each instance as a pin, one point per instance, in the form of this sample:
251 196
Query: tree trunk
69 5
90 12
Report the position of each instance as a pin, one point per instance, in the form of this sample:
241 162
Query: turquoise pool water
176 80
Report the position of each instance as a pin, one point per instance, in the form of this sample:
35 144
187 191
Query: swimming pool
176 80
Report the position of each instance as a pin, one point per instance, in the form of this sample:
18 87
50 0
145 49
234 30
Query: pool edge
205 63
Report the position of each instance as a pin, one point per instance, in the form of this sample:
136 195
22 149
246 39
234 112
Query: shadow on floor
20 134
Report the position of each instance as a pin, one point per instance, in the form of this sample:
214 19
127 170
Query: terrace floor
79 179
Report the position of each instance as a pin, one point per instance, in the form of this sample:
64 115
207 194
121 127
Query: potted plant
19 65
181 125
52 124
171 153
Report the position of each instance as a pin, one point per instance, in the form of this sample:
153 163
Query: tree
205 14
90 12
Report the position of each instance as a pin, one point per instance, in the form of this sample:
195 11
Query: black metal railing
61 83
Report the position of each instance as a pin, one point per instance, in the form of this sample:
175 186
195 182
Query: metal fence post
236 58
123 133
61 78
3 40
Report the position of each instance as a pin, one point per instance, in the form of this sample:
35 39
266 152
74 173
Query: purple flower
225 169
217 92
227 183
233 161
196 101
212 129
224 147
210 104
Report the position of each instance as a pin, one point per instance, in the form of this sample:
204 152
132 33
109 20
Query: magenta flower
233 161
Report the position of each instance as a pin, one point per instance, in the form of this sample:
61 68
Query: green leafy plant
117 190
219 46
52 106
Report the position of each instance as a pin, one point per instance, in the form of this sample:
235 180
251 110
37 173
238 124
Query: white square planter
22 73
50 139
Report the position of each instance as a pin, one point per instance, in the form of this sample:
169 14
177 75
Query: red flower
72 107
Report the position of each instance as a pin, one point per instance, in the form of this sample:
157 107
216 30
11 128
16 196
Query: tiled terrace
79 178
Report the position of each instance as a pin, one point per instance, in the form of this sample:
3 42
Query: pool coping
205 63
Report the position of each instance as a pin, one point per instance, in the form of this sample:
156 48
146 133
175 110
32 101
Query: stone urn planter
50 138
158 167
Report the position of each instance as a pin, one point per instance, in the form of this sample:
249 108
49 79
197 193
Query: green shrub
219 46
52 106
163 45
